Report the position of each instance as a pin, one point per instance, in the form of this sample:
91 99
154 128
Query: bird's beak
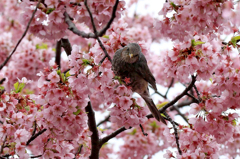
130 55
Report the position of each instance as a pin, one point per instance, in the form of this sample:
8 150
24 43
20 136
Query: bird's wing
143 70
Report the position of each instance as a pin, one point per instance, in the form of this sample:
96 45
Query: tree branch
112 135
103 31
2 80
171 84
96 32
179 113
65 43
35 136
19 41
73 28
193 98
58 54
163 109
105 120
198 94
95 142
175 132
36 156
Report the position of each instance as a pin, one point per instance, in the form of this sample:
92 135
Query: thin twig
171 84
145 134
36 156
19 41
103 31
78 151
183 104
157 92
105 120
181 114
73 28
112 135
96 32
35 136
194 99
163 109
175 133
103 59
198 94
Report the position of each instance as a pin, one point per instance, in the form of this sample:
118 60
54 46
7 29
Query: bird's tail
153 108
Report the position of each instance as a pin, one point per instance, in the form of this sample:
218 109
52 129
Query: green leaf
195 43
67 74
106 36
154 124
211 80
85 61
50 10
63 77
173 5
234 40
162 104
59 72
234 122
77 112
27 108
42 46
20 87
1 88
133 132
16 85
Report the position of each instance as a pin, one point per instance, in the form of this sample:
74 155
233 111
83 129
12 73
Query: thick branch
65 43
35 136
74 29
93 128
19 41
2 80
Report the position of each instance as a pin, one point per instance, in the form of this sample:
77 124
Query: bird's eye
135 55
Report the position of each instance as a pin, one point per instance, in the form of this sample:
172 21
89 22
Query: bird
129 62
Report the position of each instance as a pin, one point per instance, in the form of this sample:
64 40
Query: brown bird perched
129 62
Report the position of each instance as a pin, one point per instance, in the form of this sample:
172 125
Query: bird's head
131 53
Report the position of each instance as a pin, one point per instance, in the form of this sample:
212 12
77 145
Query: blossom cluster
190 17
187 58
193 144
